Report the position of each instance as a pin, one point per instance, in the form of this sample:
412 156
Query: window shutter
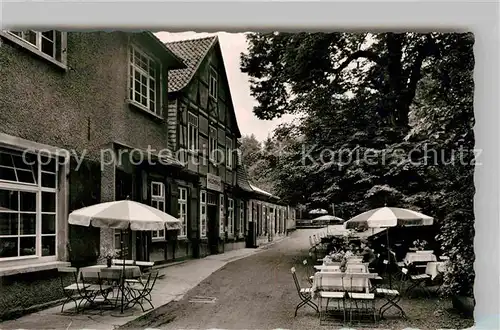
193 212
174 199
148 191
236 216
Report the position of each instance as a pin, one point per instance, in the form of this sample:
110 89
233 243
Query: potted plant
420 245
109 254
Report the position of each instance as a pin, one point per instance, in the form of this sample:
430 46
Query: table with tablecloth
350 267
419 257
113 276
109 273
339 284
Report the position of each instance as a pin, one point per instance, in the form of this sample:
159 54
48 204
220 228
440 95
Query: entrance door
212 232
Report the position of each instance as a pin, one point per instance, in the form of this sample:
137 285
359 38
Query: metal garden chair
359 295
305 294
141 290
76 290
330 286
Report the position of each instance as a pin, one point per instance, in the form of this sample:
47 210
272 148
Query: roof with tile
242 179
192 51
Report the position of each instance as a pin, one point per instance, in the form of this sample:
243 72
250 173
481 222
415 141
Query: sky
233 44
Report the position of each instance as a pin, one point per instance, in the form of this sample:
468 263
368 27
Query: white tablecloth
355 267
338 284
112 272
412 257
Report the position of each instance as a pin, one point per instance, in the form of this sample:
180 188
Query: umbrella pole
389 257
123 270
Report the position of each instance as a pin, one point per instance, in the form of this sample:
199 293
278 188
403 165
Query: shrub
457 242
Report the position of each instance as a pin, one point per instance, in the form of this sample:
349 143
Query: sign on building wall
214 182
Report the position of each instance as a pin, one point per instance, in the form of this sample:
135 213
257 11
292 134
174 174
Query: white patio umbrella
125 214
328 217
318 211
386 217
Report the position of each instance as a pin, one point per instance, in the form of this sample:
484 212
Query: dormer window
212 87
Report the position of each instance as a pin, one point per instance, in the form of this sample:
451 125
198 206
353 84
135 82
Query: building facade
96 117
71 106
203 133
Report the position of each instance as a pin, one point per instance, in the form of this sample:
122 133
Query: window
242 219
221 214
212 144
250 215
203 213
145 81
211 199
158 202
192 132
229 153
183 210
212 88
50 43
230 216
28 205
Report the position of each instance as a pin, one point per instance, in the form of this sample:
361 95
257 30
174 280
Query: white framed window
145 80
230 216
183 210
52 43
212 143
242 219
192 132
158 202
28 206
229 152
203 213
221 214
212 87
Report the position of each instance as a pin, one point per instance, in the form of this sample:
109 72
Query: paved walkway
258 293
175 282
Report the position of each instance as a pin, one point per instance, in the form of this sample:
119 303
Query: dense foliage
382 119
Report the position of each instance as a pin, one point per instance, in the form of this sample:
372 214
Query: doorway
213 235
123 190
212 232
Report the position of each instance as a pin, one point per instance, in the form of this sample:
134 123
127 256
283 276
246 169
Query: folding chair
330 287
140 291
102 289
305 294
358 292
74 289
392 298
418 281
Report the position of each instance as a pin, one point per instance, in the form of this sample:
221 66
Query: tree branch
427 49
358 54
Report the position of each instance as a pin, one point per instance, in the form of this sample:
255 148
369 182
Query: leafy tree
405 99
250 149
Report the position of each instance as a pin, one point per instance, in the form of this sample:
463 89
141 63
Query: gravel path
258 293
